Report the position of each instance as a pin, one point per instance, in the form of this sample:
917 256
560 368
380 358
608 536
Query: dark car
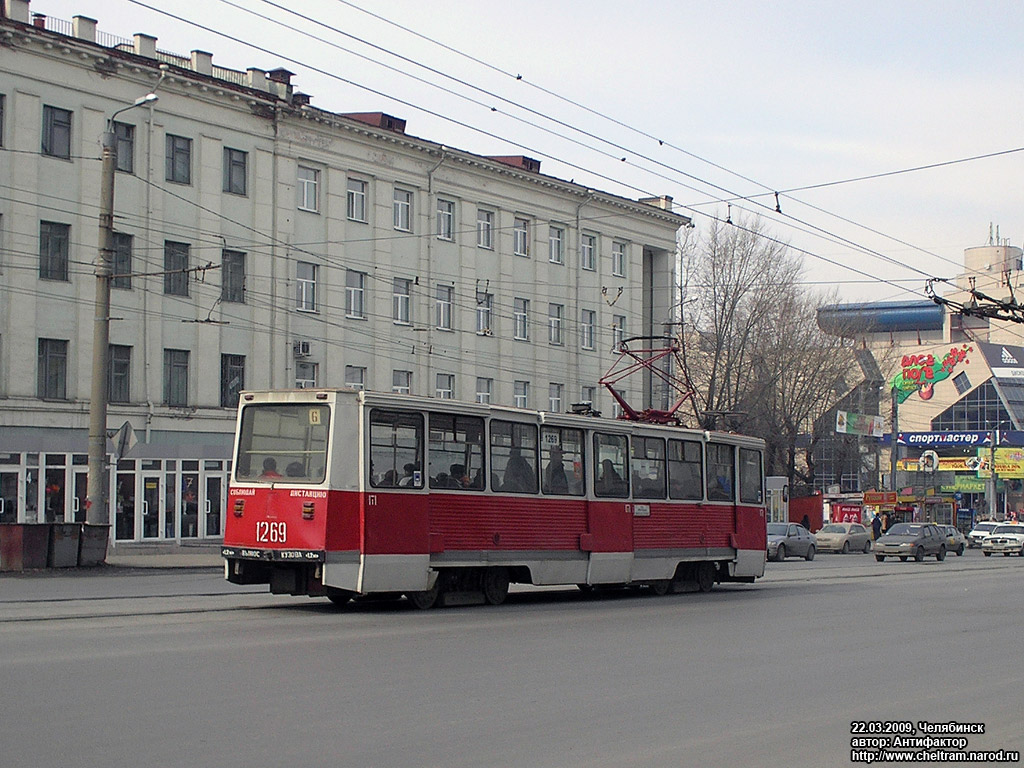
916 540
789 540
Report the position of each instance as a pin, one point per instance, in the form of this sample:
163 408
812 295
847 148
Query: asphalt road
177 668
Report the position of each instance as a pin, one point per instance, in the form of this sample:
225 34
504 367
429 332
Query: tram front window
286 443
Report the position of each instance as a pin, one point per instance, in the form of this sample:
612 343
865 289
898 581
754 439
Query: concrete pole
97 508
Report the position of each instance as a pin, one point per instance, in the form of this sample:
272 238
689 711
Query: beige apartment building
263 242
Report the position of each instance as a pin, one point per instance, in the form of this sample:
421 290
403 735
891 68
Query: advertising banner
1009 462
849 423
946 464
846 513
934 439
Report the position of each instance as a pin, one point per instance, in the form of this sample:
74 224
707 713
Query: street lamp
97 509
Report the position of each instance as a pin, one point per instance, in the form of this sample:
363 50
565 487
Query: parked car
1007 538
790 540
979 532
843 537
955 540
916 540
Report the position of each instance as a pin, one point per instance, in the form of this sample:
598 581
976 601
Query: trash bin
64 539
24 546
93 548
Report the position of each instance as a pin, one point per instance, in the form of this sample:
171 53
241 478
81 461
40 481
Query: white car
1007 539
979 532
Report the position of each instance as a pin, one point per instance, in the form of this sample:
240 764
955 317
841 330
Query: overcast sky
783 94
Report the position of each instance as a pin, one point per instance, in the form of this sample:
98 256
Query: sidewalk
165 555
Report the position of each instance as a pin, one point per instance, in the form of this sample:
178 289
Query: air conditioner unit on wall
300 349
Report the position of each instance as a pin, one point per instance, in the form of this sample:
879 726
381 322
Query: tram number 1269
270 532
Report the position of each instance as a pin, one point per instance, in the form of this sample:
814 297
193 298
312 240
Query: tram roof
458 407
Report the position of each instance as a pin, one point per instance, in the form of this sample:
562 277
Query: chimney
84 28
17 10
518 161
664 202
39 20
257 78
145 45
378 120
300 99
202 62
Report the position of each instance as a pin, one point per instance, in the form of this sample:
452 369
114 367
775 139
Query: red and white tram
343 493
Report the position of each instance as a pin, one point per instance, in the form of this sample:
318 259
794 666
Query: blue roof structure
881 317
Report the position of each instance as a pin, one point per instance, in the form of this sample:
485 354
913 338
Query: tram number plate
268 532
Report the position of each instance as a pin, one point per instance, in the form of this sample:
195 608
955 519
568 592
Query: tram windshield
284 442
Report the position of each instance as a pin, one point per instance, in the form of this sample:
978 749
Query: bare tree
755 355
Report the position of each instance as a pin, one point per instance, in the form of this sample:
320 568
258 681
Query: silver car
955 541
843 537
790 540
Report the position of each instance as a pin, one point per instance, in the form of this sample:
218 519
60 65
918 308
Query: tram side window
561 457
283 443
611 459
648 463
721 472
751 482
513 457
456 450
396 449
685 470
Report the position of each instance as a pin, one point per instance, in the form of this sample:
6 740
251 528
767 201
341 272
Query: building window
403 210
445 389
444 307
308 183
588 319
232 379
119 372
445 219
521 237
176 377
556 313
2 105
484 390
356 200
305 375
121 268
588 395
401 301
57 132
961 382
588 251
355 377
232 275
521 318
401 382
618 331
555 397
618 259
556 245
235 162
179 159
484 307
522 394
52 380
54 241
305 282
124 147
485 228
354 294
175 268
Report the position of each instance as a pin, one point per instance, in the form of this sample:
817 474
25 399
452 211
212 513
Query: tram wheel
660 587
706 577
426 599
495 585
339 596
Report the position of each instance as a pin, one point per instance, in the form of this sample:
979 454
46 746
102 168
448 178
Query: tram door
8 497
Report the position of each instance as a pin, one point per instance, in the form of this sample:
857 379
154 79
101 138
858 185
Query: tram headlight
308 510
239 507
